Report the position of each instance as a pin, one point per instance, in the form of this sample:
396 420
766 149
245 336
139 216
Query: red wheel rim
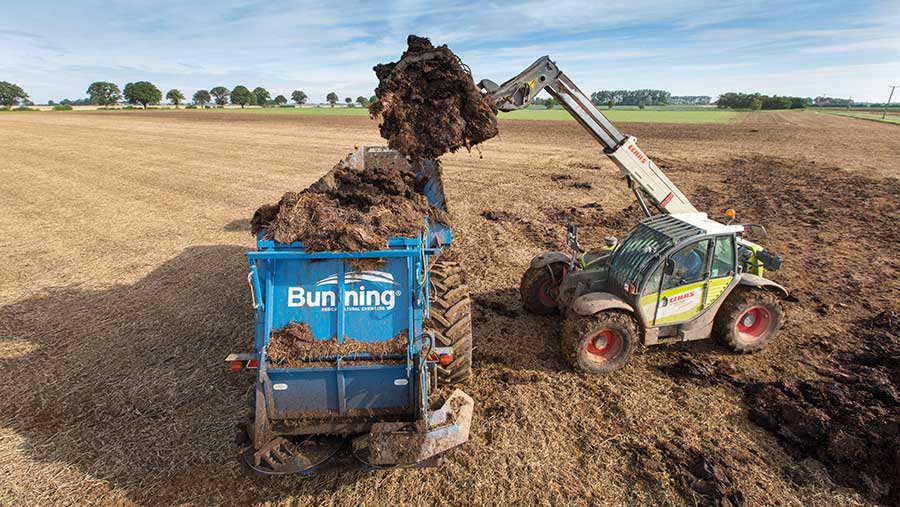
604 345
754 323
542 292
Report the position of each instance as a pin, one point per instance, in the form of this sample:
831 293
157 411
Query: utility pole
884 111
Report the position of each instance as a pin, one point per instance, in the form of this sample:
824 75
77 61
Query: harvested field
125 287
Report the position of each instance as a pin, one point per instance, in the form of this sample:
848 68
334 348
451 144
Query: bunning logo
356 296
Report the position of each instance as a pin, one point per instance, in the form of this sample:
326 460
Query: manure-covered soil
122 299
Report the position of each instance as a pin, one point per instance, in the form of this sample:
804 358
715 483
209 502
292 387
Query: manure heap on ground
428 103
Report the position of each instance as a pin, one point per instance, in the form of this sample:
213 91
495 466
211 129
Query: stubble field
124 288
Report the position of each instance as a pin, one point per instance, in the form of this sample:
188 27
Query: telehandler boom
543 74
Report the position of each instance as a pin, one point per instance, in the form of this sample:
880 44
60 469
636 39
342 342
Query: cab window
690 265
652 284
723 259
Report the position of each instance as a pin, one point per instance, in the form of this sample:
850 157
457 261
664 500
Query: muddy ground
121 300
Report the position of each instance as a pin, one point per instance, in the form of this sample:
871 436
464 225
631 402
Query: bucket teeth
282 457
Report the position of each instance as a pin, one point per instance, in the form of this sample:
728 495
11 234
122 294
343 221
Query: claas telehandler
678 275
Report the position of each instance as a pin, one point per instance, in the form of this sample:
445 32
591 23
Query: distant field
679 115
356 111
686 115
890 118
636 115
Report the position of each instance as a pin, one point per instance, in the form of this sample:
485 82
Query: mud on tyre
539 288
599 343
451 320
748 320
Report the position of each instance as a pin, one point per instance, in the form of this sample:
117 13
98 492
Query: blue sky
55 49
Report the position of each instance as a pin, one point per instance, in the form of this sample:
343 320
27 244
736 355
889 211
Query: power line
884 111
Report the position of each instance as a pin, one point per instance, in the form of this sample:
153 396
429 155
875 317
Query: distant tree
221 94
202 98
642 104
550 103
631 97
610 104
50 103
349 101
299 97
332 98
800 103
280 100
262 95
831 101
143 93
11 94
175 96
373 98
756 103
242 96
690 100
104 94
362 101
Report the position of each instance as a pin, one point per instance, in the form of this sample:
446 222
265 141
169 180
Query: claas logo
677 297
637 153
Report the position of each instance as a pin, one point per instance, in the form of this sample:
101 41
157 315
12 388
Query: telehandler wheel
748 320
539 288
451 319
599 343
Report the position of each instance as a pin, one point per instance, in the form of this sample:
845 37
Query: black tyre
748 320
599 343
539 288
451 319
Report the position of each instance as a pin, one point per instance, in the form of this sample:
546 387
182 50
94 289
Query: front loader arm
543 74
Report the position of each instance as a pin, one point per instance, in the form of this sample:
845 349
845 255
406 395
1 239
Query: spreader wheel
540 287
599 343
748 320
450 319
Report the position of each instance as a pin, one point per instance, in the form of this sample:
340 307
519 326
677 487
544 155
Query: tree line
690 100
757 101
145 93
645 97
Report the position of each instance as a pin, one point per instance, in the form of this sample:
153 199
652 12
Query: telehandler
677 276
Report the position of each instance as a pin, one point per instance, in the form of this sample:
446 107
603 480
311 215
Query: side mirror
669 267
572 238
756 231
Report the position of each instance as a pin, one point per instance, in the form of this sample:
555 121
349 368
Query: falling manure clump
428 104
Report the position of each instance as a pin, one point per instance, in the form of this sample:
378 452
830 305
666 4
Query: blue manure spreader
383 409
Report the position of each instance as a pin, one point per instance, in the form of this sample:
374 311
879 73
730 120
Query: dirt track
124 288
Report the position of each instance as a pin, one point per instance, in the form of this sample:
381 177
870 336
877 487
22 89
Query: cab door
723 269
684 277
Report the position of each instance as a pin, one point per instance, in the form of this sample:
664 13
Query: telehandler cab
677 276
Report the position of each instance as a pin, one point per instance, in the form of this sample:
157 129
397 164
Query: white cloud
55 49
